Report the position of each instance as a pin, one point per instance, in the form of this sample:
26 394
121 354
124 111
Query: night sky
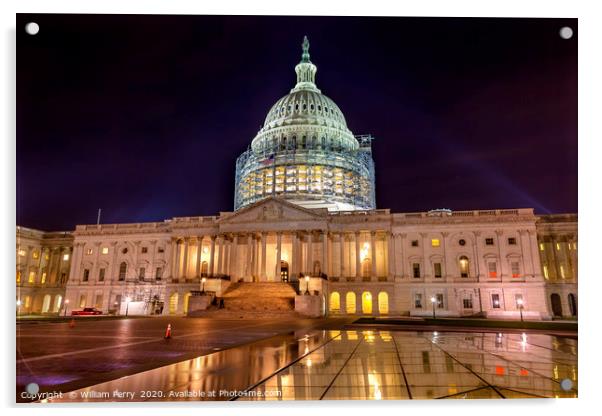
144 116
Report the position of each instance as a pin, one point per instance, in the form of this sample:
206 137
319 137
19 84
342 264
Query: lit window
495 300
35 254
43 279
65 257
557 246
105 250
545 271
21 252
463 266
32 277
435 242
18 276
89 251
562 274
492 266
541 247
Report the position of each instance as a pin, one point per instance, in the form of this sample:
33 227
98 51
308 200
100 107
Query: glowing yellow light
105 250
65 257
365 250
372 379
435 242
21 252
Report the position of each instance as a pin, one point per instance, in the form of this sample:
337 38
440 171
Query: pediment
271 210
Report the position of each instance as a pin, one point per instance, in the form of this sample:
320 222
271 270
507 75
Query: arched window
350 303
464 266
58 300
123 268
335 302
383 303
367 303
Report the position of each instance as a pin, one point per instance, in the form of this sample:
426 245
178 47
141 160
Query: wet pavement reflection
363 365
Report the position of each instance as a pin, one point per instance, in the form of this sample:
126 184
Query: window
439 297
123 267
144 250
562 273
82 301
105 250
101 275
125 250
65 257
418 301
462 242
557 246
495 300
22 253
158 273
86 275
514 265
43 279
160 249
98 303
416 269
545 272
492 266
36 254
464 266
32 277
414 243
467 302
88 251
142 273
435 242
437 267
489 241
512 241
518 300
541 247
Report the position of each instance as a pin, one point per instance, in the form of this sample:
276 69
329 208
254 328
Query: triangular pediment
271 209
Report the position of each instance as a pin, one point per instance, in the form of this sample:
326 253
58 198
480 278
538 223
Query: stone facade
473 263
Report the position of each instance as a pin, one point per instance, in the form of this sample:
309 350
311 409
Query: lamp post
433 300
203 280
307 285
127 305
65 306
519 302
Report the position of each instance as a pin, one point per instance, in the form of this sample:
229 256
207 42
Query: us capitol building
305 237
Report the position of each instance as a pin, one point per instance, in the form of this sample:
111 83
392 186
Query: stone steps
259 297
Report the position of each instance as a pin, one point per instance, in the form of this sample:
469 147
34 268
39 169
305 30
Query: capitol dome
305 152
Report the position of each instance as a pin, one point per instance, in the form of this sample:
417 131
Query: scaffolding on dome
334 178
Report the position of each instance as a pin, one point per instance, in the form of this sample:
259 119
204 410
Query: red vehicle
87 311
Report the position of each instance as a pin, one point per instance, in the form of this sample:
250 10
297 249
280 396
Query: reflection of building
305 209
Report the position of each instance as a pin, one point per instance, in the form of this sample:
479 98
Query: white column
212 255
390 256
199 252
112 276
401 238
342 255
233 257
325 252
174 250
358 268
294 264
264 238
278 256
185 266
152 271
373 246
309 263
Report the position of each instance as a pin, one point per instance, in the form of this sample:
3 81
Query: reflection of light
352 335
374 382
364 251
308 362
306 349
385 336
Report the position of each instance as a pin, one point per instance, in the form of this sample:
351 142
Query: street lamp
433 300
127 305
65 306
519 302
203 280
307 285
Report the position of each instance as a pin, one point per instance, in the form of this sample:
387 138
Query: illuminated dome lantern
306 154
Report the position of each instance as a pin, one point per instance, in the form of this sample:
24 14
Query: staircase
260 297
